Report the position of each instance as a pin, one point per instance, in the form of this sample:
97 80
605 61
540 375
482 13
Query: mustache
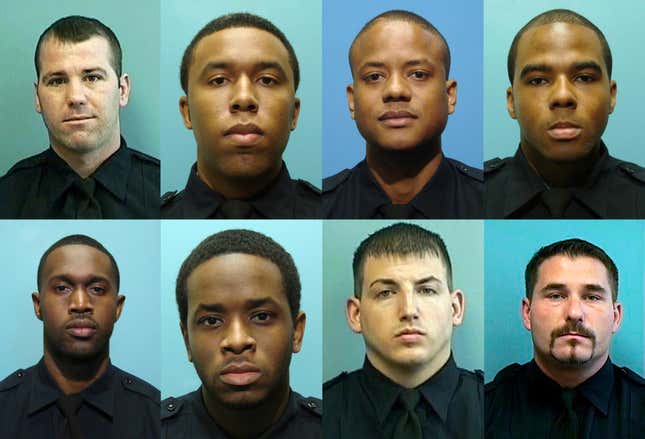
576 327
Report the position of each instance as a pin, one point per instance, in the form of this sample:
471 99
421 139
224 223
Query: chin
242 400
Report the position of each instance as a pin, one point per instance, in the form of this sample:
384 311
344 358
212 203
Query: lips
410 335
240 374
397 119
81 328
564 130
78 119
246 134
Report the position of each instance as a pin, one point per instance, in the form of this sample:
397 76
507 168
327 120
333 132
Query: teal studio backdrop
300 22
135 343
344 350
302 239
621 23
509 245
21 23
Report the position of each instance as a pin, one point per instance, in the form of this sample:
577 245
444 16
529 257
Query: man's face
561 94
571 315
241 103
78 302
400 98
79 94
239 332
406 312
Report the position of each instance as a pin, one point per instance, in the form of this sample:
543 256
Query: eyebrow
388 281
597 288
262 65
583 65
249 304
412 62
63 73
66 278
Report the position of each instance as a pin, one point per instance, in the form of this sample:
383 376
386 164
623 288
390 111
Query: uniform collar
438 390
44 391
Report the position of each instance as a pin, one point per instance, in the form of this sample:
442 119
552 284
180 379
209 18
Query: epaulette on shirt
171 407
633 170
332 382
168 197
468 171
137 385
632 376
311 404
145 157
13 380
30 162
308 187
331 183
507 373
494 165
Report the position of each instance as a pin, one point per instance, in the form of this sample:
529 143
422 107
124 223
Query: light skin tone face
572 318
240 336
406 314
78 304
561 94
79 96
241 106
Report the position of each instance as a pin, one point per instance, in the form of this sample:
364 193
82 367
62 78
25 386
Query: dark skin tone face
561 97
240 336
241 106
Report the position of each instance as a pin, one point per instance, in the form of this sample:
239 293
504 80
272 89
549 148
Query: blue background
23 131
135 345
622 25
300 22
460 22
509 245
302 239
345 350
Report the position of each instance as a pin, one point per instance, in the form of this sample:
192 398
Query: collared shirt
454 191
117 405
362 404
124 186
187 418
614 189
283 199
523 402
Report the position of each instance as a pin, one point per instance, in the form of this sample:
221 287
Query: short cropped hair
571 248
410 17
557 16
78 240
245 242
239 19
76 29
400 239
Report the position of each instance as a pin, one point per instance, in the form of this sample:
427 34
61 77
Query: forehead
577 270
57 55
403 268
77 258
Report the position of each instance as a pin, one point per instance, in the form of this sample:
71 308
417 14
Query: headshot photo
561 97
403 329
402 111
241 329
77 358
241 129
82 140
564 329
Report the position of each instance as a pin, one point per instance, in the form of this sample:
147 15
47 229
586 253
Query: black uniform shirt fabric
44 186
523 402
362 404
187 418
614 189
284 199
117 405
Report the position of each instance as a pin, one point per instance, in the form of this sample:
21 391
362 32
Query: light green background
344 350
21 23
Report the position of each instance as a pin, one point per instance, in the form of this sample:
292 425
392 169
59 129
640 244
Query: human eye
62 288
537 81
267 80
585 78
56 81
373 77
593 298
97 289
262 317
428 291
420 74
218 81
555 296
210 321
384 294
93 77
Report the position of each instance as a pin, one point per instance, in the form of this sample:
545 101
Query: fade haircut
571 248
78 240
76 29
409 17
400 239
557 16
239 19
246 242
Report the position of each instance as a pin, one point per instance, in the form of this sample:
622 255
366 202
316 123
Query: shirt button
128 380
311 404
171 407
20 374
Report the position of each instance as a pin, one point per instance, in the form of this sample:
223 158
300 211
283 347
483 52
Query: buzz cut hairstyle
245 242
409 17
572 248
238 19
78 240
76 29
557 16
400 239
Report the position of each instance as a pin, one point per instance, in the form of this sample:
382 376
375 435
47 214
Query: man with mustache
405 307
561 94
74 391
240 75
570 389
400 99
238 295
89 171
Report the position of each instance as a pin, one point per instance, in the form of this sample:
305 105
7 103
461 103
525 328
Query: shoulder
137 386
474 377
13 382
172 204
631 377
173 407
25 165
341 387
632 171
496 165
145 158
331 183
169 197
468 171
307 189
504 378
312 406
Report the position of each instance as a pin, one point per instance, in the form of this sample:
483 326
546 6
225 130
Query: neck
235 421
84 163
561 174
74 376
566 375
237 188
411 376
403 174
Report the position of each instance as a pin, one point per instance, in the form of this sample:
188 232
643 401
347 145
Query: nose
574 308
237 338
409 306
243 98
396 89
563 94
80 301
76 93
